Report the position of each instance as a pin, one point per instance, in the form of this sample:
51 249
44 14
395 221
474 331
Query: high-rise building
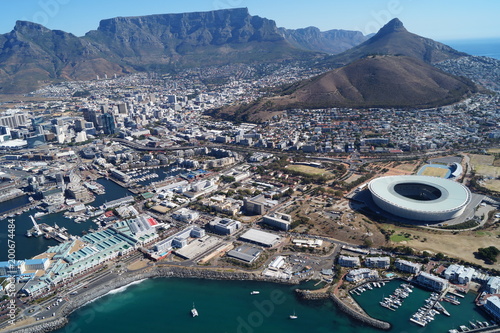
108 123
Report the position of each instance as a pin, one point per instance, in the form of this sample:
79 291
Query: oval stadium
423 198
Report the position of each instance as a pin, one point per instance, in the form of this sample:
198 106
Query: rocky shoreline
158 272
176 272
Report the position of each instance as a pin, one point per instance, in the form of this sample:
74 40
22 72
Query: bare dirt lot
309 170
336 220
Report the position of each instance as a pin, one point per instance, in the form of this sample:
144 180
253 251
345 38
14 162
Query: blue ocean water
487 47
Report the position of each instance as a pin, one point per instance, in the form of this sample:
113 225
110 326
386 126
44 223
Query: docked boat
194 312
255 292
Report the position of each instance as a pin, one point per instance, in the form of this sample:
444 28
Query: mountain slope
31 54
394 39
375 81
331 41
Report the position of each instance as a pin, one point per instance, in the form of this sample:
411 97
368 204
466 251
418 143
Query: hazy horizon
439 20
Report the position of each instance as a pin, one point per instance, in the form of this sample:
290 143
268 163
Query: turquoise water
163 305
460 314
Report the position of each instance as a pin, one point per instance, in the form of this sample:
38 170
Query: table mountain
31 54
331 41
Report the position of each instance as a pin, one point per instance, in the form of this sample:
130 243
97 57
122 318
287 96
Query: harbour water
163 305
27 247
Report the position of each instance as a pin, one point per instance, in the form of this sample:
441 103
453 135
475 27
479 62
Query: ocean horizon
485 47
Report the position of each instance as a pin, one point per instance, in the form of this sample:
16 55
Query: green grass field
399 238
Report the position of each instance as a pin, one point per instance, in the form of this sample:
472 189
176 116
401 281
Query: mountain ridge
31 54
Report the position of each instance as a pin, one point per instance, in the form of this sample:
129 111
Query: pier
18 210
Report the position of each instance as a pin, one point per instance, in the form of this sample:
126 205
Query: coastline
89 296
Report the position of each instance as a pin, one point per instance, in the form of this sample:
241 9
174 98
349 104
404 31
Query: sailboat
194 312
293 316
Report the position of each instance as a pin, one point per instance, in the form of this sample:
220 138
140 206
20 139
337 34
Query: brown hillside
376 81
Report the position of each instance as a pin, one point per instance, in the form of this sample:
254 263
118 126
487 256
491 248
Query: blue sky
436 19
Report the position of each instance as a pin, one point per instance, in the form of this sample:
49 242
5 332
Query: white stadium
422 198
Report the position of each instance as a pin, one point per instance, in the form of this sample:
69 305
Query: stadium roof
452 194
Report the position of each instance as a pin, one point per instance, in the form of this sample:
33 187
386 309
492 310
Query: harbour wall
365 319
94 293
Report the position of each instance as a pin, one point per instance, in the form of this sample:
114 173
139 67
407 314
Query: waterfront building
348 261
493 285
492 306
177 240
143 224
37 264
278 220
121 176
260 237
458 273
115 203
356 275
34 287
407 266
431 281
378 262
245 253
277 263
12 268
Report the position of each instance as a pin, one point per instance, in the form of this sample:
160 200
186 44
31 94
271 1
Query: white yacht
194 312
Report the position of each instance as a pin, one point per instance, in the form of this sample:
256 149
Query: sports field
435 170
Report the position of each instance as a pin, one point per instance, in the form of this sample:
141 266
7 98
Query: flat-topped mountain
31 55
332 41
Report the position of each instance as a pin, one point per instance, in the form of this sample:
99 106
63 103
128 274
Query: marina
418 309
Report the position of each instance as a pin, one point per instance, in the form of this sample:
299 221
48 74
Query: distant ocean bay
488 47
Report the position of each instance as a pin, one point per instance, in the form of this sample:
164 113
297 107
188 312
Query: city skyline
443 20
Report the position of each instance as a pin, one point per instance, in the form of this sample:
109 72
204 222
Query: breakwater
363 318
46 326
